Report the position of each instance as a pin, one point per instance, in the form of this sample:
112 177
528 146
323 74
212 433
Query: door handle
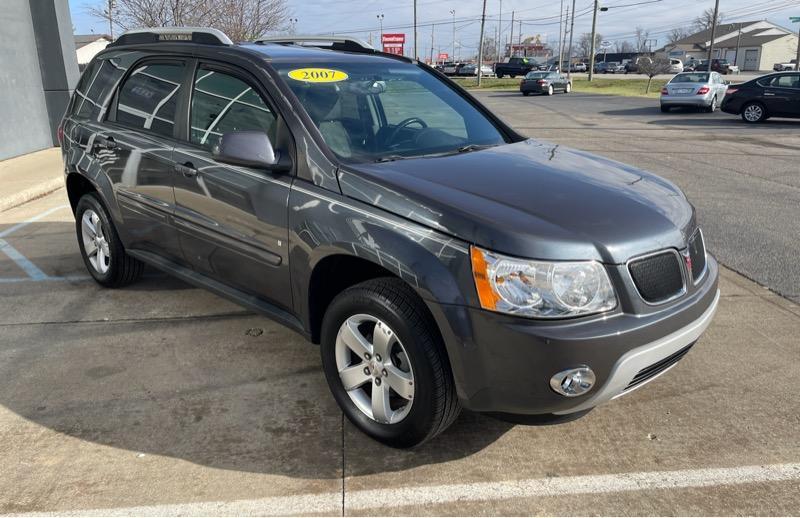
187 169
767 93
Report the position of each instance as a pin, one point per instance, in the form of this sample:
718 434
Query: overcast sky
358 17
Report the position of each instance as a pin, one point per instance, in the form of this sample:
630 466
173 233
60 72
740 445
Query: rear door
232 220
781 95
134 146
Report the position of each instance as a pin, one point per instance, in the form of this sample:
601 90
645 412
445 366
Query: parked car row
722 66
772 95
463 69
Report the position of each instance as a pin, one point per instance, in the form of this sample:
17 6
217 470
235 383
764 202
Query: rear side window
222 103
149 97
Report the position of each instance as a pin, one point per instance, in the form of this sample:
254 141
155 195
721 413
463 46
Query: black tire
713 106
757 108
435 405
499 76
526 94
122 268
664 109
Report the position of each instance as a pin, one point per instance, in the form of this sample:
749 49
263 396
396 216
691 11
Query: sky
539 17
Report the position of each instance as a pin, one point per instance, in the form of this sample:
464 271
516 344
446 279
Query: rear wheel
101 248
664 109
568 88
526 94
713 106
386 364
753 113
550 90
499 76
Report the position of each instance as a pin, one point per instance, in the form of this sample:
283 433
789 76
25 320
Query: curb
31 193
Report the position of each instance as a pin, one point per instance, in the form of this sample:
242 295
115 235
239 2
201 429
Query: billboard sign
443 56
393 43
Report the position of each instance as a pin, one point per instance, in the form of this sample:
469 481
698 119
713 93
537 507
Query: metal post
569 52
499 30
560 33
738 40
564 43
380 19
416 55
453 57
713 33
797 59
511 37
433 29
594 35
480 43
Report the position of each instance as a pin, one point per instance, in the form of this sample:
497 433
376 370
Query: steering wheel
403 124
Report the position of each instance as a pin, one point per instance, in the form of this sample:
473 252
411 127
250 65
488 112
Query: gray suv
439 258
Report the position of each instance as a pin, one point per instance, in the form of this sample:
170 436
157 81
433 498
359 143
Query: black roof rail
205 35
339 43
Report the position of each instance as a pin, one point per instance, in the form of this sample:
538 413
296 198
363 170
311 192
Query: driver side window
222 103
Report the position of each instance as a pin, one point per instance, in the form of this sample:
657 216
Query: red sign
443 56
393 43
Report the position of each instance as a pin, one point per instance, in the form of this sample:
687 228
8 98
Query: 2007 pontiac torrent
439 258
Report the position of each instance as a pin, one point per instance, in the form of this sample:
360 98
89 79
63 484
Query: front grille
657 277
697 253
658 367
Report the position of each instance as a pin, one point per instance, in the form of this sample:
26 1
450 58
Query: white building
88 46
750 45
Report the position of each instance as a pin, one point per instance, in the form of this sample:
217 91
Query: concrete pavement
30 176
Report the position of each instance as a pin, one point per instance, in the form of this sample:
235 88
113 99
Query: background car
632 66
675 66
696 89
471 70
451 68
786 65
544 83
515 66
773 95
614 67
578 67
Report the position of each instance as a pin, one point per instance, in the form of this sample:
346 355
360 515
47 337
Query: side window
222 103
787 81
149 96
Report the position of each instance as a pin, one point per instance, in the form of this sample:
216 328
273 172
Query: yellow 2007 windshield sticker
317 75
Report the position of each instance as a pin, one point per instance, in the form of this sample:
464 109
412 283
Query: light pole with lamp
453 57
594 35
380 20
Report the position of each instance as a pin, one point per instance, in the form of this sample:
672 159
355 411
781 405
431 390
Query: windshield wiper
392 158
474 147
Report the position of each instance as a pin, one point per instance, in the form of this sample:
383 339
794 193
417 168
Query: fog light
573 382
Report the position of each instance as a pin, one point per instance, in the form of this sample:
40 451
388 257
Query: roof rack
346 43
205 35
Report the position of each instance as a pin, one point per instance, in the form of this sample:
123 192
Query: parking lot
163 399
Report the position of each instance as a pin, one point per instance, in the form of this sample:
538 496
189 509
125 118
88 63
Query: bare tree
706 20
624 46
241 20
489 47
585 43
676 35
652 68
640 40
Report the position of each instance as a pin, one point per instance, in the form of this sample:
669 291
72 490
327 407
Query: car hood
531 199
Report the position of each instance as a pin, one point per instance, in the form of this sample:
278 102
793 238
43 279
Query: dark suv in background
438 257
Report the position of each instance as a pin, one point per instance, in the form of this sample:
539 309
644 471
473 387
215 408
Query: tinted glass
788 81
375 109
222 103
149 96
536 75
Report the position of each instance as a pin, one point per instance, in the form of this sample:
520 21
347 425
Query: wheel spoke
381 341
98 225
381 411
401 382
101 260
90 248
353 377
353 338
87 225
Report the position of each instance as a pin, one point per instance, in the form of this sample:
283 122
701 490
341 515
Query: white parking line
330 503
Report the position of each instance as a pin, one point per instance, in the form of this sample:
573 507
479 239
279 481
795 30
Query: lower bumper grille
658 367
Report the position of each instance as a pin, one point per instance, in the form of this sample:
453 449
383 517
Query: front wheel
499 76
550 90
526 94
753 113
386 365
664 109
713 106
101 248
568 88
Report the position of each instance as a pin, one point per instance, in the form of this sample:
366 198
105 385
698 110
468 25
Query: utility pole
380 19
594 36
519 36
560 31
499 30
511 37
480 43
797 59
433 29
713 33
453 57
738 40
564 43
569 52
416 55
110 15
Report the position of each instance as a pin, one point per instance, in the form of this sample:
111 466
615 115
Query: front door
782 94
134 147
232 220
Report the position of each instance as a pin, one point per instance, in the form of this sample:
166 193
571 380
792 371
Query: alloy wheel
94 241
753 113
374 369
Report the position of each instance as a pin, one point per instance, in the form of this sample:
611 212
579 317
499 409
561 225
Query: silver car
698 89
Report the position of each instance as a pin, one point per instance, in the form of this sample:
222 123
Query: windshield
690 78
383 110
537 75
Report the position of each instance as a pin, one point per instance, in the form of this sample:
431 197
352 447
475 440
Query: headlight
540 289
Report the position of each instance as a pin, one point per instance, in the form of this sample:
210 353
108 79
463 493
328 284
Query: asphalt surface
743 179
162 399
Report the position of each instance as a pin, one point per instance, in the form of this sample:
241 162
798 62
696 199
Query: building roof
81 40
727 32
705 35
749 40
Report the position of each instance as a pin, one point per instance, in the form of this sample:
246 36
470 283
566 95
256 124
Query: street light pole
453 57
569 52
713 33
416 55
380 19
480 43
594 36
499 30
560 33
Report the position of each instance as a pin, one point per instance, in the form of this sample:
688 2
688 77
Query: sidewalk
31 176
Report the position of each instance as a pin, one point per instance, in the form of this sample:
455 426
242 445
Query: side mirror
251 149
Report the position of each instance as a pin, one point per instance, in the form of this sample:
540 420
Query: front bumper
504 364
687 100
